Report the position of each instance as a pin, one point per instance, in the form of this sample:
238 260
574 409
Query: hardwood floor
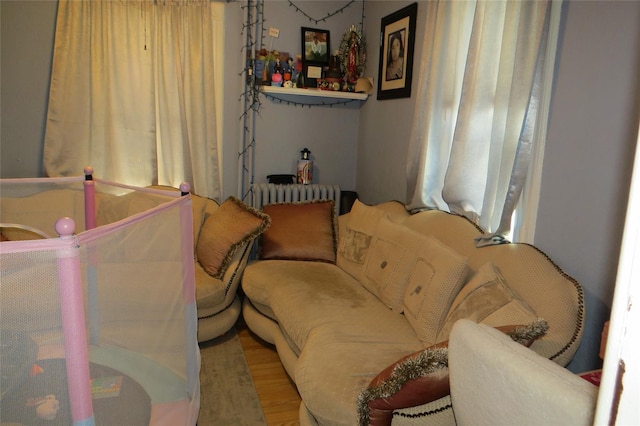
278 394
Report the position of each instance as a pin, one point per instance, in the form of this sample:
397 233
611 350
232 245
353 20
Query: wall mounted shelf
310 96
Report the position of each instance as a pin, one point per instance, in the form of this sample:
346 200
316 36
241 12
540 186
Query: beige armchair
495 381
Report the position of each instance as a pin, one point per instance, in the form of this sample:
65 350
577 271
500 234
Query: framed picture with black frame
397 41
316 45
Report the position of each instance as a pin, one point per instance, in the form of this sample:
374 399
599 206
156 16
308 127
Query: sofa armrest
422 377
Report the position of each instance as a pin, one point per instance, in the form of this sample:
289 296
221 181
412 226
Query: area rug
227 394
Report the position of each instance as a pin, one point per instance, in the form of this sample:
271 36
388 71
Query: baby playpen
97 304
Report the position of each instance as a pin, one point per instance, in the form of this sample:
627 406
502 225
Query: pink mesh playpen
97 304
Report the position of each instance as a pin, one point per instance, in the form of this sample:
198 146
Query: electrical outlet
274 32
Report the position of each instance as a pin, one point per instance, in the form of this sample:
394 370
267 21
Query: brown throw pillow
301 231
224 231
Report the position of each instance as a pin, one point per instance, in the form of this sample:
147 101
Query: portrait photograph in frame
316 46
397 41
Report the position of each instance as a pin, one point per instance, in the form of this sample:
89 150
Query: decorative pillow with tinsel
301 231
225 231
422 377
487 299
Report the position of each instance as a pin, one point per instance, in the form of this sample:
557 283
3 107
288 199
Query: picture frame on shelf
316 46
397 42
312 73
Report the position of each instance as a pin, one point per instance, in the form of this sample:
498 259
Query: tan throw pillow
487 299
391 258
356 236
224 231
301 231
436 278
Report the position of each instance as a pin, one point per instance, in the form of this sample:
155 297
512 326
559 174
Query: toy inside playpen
98 323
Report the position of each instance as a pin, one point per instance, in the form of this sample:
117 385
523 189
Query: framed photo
397 40
315 46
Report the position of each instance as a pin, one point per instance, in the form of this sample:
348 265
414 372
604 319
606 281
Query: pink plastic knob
65 227
185 187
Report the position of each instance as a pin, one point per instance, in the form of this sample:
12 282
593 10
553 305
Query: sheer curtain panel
477 99
133 93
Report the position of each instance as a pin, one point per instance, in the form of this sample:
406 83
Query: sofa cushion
224 231
436 278
308 296
336 366
392 255
356 236
210 291
301 231
487 299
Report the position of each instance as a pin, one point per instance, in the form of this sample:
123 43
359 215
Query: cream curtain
133 93
478 97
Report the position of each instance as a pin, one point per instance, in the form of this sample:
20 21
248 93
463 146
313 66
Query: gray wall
589 153
26 40
588 157
592 131
283 130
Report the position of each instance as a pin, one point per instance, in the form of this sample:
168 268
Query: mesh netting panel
136 300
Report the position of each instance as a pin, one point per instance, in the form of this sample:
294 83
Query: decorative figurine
353 57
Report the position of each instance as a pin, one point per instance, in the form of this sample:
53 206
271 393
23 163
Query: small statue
352 58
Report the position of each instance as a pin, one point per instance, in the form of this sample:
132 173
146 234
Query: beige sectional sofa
223 236
343 301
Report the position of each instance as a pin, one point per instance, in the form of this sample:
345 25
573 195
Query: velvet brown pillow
226 230
301 231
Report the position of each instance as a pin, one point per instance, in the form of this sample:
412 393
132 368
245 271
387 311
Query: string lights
308 104
324 19
255 33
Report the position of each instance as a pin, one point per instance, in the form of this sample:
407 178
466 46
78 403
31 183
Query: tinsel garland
527 333
427 362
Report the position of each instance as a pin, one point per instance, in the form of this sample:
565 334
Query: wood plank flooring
278 394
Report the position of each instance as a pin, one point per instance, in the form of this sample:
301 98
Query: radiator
270 193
